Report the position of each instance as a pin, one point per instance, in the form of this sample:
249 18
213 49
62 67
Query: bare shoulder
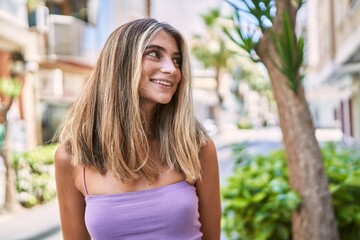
70 197
63 159
64 168
61 153
208 152
208 191
209 161
210 144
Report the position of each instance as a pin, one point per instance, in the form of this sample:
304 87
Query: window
52 116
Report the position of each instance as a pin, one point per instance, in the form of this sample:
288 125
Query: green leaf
353 179
291 53
10 87
357 218
258 197
333 188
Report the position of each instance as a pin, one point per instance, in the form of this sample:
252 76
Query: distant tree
258 81
265 29
212 49
215 51
9 89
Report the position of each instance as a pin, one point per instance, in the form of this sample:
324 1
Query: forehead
166 41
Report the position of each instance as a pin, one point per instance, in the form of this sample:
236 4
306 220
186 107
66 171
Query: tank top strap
84 183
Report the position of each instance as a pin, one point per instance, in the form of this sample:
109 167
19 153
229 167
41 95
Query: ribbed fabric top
167 212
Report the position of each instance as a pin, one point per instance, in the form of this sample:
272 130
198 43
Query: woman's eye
177 61
153 54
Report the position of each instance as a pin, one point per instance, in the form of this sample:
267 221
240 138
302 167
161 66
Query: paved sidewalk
37 223
231 134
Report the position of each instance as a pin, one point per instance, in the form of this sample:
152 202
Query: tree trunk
314 220
218 76
148 8
11 203
218 108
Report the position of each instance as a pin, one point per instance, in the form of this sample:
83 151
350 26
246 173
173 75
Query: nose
168 66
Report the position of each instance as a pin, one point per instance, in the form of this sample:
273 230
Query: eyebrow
160 48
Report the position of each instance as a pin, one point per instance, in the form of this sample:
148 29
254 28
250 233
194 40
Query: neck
149 121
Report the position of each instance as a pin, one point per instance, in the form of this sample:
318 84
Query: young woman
133 162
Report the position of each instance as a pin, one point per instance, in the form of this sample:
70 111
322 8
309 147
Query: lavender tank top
166 212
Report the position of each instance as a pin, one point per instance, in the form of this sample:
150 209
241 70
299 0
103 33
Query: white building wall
356 110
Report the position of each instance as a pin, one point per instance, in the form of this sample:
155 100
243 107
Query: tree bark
219 106
11 203
148 8
314 219
218 76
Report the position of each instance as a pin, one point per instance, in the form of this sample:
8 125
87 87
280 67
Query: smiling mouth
162 82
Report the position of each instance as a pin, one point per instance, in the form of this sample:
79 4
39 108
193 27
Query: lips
162 82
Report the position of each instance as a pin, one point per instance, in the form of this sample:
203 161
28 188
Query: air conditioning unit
66 36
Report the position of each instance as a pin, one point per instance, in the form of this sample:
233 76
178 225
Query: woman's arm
71 200
208 191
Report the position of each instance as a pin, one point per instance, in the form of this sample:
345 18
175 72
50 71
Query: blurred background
48 49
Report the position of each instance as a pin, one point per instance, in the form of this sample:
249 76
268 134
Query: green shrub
35 178
258 201
343 170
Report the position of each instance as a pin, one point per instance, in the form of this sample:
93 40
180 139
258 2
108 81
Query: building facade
18 60
334 59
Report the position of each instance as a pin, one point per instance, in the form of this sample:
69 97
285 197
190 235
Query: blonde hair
104 128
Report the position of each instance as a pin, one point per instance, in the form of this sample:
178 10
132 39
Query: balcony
14 11
66 46
67 61
14 34
66 38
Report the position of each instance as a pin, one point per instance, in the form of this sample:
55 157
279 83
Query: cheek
178 76
143 80
148 68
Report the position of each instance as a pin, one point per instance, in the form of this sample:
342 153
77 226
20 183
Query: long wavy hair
105 127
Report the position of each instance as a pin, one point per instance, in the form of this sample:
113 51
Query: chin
163 102
163 99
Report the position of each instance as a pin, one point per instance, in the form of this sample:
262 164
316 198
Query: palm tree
265 29
213 52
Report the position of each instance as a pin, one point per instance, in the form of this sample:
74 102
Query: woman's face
161 71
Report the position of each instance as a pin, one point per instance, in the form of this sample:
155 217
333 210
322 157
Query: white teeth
165 83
